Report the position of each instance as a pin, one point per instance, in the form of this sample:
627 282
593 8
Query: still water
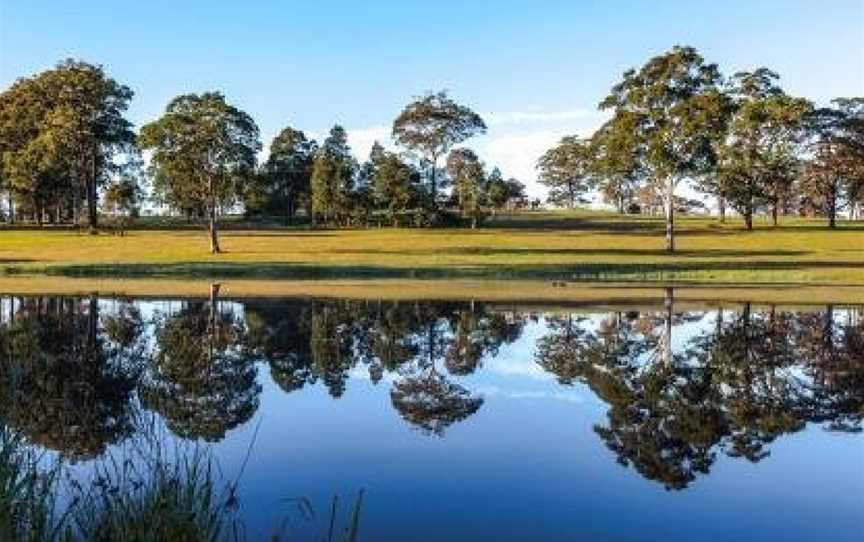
461 420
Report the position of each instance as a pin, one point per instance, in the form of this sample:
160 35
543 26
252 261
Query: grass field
538 245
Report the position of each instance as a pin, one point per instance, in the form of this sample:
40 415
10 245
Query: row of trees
740 139
64 140
61 132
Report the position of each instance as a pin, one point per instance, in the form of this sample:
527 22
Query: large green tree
203 152
60 134
394 184
469 183
612 164
566 170
833 174
758 156
333 178
676 111
288 171
430 126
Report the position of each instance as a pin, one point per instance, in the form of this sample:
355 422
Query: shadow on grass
673 270
496 251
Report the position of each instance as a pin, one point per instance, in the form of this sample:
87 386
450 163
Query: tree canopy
203 154
60 132
431 125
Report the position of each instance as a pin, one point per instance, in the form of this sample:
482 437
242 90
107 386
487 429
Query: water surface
465 420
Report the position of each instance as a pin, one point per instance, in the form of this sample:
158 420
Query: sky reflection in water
467 420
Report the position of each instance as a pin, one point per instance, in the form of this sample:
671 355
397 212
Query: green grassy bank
527 246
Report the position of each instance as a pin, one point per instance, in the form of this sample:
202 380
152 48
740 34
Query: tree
288 170
333 177
394 184
203 153
431 125
835 168
676 113
613 164
502 192
64 126
122 199
758 158
566 170
469 180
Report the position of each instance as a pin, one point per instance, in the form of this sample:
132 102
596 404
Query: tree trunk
76 201
670 216
214 226
11 209
721 208
93 215
214 231
774 212
433 184
289 207
832 208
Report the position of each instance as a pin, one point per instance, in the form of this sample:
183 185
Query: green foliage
566 170
758 159
676 112
203 153
833 176
60 132
469 183
614 167
501 192
431 125
122 200
154 498
285 177
27 494
333 179
394 184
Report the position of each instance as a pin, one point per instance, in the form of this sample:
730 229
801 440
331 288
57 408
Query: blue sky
535 69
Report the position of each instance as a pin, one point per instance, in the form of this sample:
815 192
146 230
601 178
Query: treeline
741 139
65 142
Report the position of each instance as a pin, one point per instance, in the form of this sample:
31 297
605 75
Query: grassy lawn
541 245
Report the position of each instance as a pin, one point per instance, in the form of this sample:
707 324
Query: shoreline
495 291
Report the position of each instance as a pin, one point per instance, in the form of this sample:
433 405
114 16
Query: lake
456 420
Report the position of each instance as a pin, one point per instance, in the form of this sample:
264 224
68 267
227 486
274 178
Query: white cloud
362 139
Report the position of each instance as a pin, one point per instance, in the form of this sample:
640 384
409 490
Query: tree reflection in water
734 387
76 371
65 384
201 378
324 340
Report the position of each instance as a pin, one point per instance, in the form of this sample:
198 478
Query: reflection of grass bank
149 496
525 246
546 293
